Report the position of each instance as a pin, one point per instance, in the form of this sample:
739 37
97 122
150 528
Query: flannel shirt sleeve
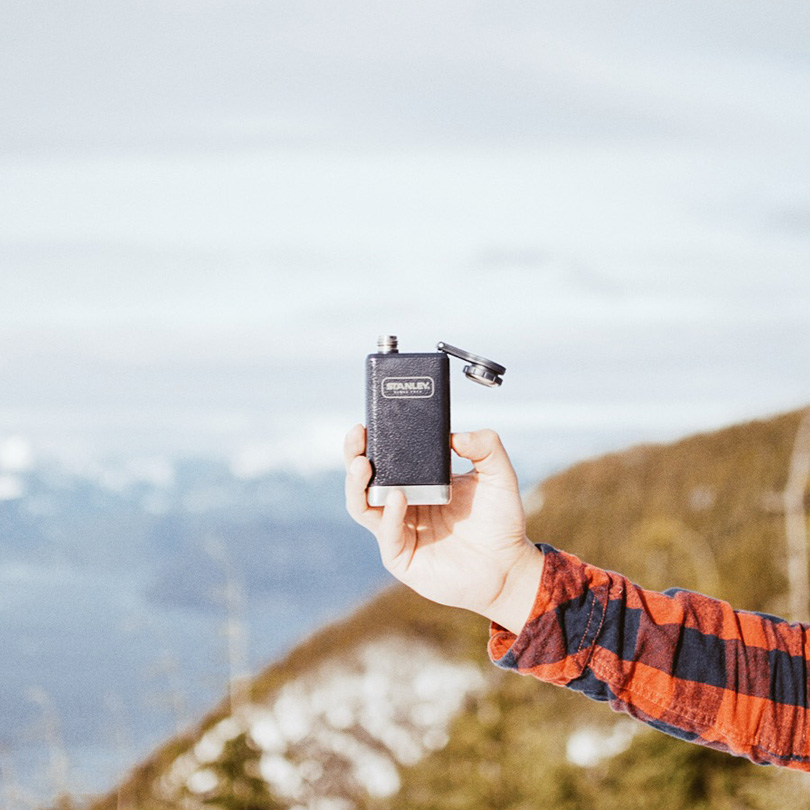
682 662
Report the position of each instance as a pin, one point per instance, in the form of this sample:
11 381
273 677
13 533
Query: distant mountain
398 707
130 593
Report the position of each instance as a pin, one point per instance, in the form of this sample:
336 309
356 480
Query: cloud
173 74
211 208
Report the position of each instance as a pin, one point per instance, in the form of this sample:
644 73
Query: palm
449 553
471 553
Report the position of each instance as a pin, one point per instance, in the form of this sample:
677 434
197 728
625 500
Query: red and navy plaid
682 662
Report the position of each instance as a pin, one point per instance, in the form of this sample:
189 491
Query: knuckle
490 436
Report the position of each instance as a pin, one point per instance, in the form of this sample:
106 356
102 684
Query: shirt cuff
558 638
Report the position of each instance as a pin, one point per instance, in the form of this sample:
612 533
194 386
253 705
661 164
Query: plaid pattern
683 663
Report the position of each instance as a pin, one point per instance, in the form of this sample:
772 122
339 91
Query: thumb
487 453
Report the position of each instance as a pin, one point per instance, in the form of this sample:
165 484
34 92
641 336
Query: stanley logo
407 387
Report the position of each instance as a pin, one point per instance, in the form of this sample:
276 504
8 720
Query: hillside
397 706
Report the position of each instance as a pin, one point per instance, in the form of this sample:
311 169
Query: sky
209 210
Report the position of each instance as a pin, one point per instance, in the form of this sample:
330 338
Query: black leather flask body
408 425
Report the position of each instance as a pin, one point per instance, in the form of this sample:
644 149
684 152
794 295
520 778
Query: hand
472 553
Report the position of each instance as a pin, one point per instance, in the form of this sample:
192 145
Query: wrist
513 605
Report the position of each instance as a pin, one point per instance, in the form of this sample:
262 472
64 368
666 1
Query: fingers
484 449
357 478
358 474
354 444
385 523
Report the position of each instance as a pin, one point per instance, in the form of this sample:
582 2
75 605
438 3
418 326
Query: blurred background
208 212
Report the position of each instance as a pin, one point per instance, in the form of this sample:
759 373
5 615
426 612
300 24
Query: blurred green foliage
701 514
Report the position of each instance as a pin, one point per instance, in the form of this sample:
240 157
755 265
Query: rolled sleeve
558 638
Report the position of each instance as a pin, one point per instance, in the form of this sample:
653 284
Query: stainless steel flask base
416 495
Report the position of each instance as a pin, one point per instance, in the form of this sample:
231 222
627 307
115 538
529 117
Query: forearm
688 664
